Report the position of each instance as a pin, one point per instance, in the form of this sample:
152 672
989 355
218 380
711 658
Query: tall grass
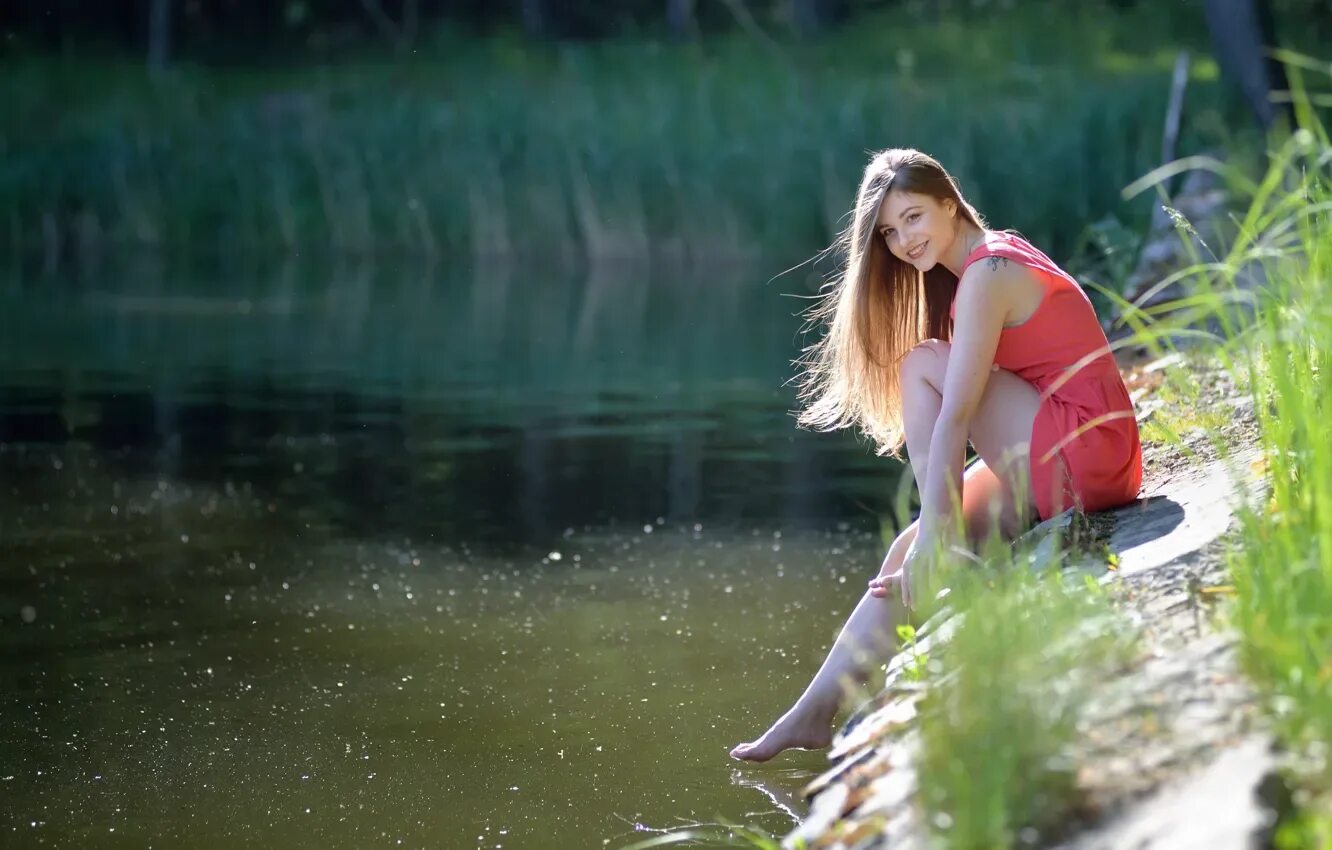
1000 719
1266 299
1283 565
726 147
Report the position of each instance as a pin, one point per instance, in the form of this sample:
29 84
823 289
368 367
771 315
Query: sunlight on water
251 598
254 681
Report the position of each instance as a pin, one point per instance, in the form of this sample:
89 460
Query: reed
723 148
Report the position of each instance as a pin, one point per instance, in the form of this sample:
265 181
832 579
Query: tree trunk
159 34
680 18
1241 32
534 18
810 16
400 35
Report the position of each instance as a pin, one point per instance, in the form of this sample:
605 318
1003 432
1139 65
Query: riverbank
1183 702
1163 703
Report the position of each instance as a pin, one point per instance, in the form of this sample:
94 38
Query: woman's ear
951 206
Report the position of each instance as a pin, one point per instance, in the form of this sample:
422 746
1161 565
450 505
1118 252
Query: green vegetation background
724 147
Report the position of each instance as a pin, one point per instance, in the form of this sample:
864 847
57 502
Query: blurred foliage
724 146
999 722
231 29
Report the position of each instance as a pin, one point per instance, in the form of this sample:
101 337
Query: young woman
940 332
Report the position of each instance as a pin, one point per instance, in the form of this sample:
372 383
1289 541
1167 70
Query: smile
916 254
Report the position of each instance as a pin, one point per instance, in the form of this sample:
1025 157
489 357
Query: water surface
368 557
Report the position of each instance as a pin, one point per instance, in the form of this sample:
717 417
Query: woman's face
917 228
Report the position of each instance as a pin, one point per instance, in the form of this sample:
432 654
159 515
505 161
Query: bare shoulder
996 284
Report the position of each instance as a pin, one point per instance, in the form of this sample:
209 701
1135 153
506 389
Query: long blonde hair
876 309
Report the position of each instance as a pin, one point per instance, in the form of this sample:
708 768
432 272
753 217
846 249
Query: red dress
1085 450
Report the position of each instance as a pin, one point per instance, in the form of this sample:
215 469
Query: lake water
361 557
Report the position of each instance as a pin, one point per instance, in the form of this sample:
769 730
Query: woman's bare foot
798 728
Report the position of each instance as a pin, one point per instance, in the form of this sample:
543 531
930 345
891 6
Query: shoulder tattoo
997 263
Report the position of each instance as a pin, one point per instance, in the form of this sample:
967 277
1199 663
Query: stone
1220 807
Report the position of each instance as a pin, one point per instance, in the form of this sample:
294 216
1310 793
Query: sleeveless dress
1085 451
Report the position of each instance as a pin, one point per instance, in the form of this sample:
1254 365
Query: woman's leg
1000 432
868 636
864 638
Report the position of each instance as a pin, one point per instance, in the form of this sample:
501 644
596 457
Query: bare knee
927 362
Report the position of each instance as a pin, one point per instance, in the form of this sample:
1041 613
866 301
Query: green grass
727 147
1184 410
1283 568
1276 341
1000 719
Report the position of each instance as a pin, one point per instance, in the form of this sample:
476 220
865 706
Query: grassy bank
1283 567
1276 347
996 765
732 146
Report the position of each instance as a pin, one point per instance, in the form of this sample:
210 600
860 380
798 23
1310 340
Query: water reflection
354 560
780 789
503 409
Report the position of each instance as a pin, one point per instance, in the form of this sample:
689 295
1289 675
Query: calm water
366 557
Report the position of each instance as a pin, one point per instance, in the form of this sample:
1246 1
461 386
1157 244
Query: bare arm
986 296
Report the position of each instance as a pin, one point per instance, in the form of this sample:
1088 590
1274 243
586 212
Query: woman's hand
915 576
911 577
882 584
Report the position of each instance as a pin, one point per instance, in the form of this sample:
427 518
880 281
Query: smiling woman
928 345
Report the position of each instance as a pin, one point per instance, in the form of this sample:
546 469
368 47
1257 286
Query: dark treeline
228 27
222 30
